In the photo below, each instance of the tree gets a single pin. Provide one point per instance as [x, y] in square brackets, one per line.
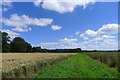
[18, 45]
[78, 50]
[0, 41]
[5, 40]
[36, 49]
[28, 47]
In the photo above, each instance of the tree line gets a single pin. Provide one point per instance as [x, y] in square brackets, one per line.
[18, 44]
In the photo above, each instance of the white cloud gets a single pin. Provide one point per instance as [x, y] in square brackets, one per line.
[66, 40]
[48, 44]
[108, 29]
[84, 37]
[110, 44]
[100, 38]
[21, 29]
[99, 43]
[107, 36]
[56, 27]
[104, 30]
[62, 44]
[110, 41]
[11, 33]
[63, 6]
[77, 33]
[23, 22]
[97, 39]
[88, 33]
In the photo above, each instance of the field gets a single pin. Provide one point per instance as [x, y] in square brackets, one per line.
[78, 66]
[60, 65]
[25, 64]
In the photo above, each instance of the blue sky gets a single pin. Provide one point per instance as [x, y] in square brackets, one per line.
[93, 26]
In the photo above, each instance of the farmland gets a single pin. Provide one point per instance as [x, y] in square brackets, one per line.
[13, 63]
[78, 66]
[60, 65]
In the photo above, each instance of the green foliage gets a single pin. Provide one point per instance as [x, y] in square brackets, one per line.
[20, 45]
[5, 37]
[79, 50]
[36, 49]
[5, 40]
[78, 66]
[5, 47]
[28, 47]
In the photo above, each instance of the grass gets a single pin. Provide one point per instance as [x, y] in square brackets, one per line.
[78, 66]
[109, 58]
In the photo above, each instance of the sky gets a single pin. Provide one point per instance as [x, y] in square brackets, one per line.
[58, 25]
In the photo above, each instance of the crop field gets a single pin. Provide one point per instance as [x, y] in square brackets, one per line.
[78, 66]
[25, 64]
[60, 65]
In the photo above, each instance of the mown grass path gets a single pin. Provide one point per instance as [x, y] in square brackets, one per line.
[78, 66]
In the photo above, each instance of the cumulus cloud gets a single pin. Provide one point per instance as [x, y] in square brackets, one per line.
[88, 33]
[94, 44]
[56, 27]
[105, 45]
[21, 23]
[66, 40]
[48, 44]
[102, 39]
[64, 5]
[104, 30]
[62, 44]
[108, 29]
[11, 33]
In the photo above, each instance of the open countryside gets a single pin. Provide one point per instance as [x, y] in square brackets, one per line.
[54, 39]
[59, 65]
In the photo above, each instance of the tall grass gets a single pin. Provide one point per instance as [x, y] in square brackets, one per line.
[109, 58]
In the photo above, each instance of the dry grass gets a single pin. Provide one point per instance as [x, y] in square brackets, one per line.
[11, 61]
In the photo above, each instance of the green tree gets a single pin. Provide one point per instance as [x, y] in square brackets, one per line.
[5, 40]
[18, 45]
[78, 50]
[36, 49]
[28, 47]
[0, 41]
